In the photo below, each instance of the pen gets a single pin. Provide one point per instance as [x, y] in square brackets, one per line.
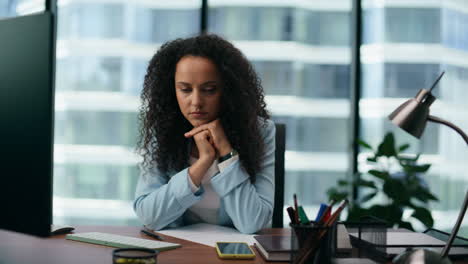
[151, 234]
[321, 211]
[327, 213]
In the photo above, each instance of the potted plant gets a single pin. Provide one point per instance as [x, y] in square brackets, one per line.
[395, 180]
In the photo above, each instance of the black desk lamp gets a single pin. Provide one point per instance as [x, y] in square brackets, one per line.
[412, 117]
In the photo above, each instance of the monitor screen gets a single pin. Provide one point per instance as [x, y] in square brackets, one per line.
[27, 57]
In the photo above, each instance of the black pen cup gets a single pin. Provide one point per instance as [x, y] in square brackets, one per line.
[312, 244]
[134, 256]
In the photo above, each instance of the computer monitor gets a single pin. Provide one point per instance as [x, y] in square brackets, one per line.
[27, 54]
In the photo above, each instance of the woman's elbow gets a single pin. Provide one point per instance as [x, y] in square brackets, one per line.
[150, 221]
[251, 228]
[143, 215]
[151, 218]
[248, 229]
[256, 224]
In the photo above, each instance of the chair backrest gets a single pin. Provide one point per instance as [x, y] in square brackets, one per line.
[277, 220]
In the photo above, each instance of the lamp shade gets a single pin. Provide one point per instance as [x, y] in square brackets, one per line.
[413, 114]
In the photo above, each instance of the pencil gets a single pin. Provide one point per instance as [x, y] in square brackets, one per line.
[291, 214]
[150, 233]
[296, 209]
[337, 213]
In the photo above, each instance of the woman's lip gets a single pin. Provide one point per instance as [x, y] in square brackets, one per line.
[198, 114]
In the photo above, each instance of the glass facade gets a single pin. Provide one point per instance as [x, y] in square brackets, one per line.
[316, 77]
[103, 49]
[408, 25]
[12, 8]
[406, 46]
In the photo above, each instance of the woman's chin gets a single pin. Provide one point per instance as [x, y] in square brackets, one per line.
[199, 122]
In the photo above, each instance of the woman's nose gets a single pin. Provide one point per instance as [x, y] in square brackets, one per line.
[197, 99]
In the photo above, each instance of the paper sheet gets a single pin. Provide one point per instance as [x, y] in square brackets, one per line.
[208, 234]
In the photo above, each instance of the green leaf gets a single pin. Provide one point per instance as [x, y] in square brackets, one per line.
[367, 197]
[423, 215]
[387, 147]
[390, 213]
[424, 195]
[356, 212]
[422, 168]
[331, 191]
[364, 183]
[372, 159]
[364, 144]
[383, 175]
[407, 225]
[396, 190]
[335, 194]
[342, 182]
[340, 196]
[408, 158]
[403, 147]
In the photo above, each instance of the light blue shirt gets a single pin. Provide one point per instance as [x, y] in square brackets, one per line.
[162, 199]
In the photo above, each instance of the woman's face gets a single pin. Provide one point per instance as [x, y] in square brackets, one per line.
[198, 89]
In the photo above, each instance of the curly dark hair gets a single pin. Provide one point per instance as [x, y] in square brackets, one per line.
[162, 125]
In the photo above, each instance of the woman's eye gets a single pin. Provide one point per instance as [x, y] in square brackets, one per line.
[210, 89]
[186, 90]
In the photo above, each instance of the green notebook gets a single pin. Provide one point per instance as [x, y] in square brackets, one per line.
[119, 241]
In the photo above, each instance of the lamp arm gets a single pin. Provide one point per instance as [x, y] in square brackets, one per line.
[447, 247]
[436, 119]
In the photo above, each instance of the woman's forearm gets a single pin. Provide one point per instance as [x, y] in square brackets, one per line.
[198, 170]
[159, 203]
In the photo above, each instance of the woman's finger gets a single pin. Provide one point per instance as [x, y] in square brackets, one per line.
[196, 130]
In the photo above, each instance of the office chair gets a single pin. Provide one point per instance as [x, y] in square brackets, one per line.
[277, 220]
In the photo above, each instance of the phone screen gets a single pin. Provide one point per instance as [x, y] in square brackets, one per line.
[234, 248]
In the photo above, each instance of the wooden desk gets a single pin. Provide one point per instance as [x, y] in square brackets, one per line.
[20, 248]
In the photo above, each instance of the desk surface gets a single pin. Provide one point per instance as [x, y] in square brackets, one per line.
[18, 248]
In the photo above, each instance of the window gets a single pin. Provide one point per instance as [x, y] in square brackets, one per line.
[326, 81]
[412, 25]
[286, 45]
[401, 25]
[90, 73]
[400, 80]
[161, 25]
[324, 27]
[103, 49]
[411, 45]
[453, 24]
[258, 23]
[12, 8]
[276, 76]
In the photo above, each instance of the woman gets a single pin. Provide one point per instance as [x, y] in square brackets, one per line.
[206, 139]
